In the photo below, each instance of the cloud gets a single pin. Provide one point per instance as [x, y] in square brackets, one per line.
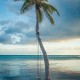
[16, 38]
[61, 47]
[26, 33]
[16, 32]
[20, 29]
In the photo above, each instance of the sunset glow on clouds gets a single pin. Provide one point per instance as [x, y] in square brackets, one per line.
[62, 47]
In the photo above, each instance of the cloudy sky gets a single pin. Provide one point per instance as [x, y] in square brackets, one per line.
[17, 31]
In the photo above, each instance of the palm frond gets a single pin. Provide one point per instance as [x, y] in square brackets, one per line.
[40, 15]
[26, 5]
[52, 9]
[49, 7]
[42, 4]
[49, 17]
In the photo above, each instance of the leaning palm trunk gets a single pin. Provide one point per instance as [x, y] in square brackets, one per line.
[46, 62]
[40, 6]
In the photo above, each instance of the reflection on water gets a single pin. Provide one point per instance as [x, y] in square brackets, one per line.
[27, 70]
[65, 69]
[18, 70]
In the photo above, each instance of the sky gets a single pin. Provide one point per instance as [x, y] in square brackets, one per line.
[17, 31]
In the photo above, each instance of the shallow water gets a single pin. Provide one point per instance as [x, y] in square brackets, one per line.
[26, 69]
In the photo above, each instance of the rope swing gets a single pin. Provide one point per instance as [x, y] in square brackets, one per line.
[38, 63]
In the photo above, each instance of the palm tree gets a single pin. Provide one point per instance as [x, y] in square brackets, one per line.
[41, 6]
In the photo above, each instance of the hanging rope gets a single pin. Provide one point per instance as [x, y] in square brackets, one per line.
[38, 63]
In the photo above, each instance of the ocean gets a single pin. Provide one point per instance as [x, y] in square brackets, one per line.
[24, 67]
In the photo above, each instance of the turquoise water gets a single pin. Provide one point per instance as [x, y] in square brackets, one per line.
[20, 67]
[34, 57]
